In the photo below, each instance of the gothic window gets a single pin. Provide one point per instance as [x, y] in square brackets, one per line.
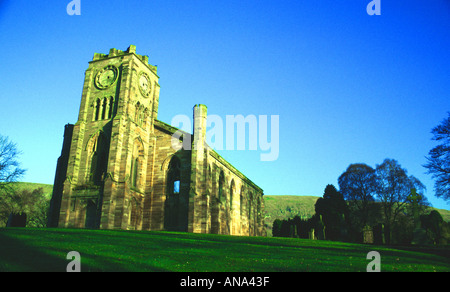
[137, 162]
[103, 108]
[99, 159]
[250, 213]
[97, 110]
[134, 172]
[232, 187]
[242, 201]
[136, 113]
[258, 211]
[221, 183]
[215, 226]
[104, 103]
[173, 176]
[173, 212]
[111, 106]
[145, 115]
[141, 116]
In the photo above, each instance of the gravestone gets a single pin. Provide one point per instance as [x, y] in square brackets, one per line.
[420, 237]
[320, 229]
[293, 231]
[311, 234]
[17, 220]
[343, 229]
[368, 235]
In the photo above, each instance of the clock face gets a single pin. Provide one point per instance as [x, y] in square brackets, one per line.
[106, 77]
[144, 84]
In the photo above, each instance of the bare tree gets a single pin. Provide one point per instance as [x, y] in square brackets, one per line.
[439, 160]
[10, 170]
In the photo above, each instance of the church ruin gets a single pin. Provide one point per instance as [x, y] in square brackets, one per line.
[119, 170]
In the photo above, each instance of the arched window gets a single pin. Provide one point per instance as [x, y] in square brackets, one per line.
[136, 166]
[173, 176]
[250, 213]
[173, 211]
[145, 116]
[250, 200]
[258, 214]
[232, 188]
[141, 116]
[136, 113]
[104, 106]
[97, 110]
[99, 159]
[221, 185]
[111, 106]
[241, 201]
[134, 172]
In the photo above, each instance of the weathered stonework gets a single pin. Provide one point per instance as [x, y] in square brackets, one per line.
[118, 169]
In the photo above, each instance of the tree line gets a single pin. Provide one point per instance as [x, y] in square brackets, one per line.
[377, 198]
[380, 198]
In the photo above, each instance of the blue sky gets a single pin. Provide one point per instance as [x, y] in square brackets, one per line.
[348, 87]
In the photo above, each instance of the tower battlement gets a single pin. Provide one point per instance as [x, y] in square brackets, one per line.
[130, 50]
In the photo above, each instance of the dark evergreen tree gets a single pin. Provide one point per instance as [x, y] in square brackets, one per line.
[276, 228]
[333, 209]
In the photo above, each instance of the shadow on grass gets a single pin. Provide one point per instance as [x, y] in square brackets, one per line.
[160, 251]
[18, 255]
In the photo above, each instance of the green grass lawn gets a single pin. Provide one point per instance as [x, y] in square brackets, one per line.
[106, 250]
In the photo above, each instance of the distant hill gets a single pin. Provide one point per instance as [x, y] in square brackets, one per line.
[48, 189]
[285, 207]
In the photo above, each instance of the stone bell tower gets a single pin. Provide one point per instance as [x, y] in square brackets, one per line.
[102, 184]
[121, 168]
